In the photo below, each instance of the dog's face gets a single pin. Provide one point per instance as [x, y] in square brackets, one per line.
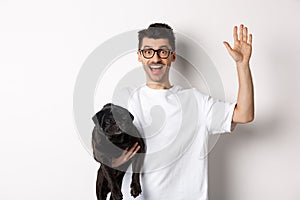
[113, 120]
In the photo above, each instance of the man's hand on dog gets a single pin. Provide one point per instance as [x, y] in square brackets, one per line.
[126, 155]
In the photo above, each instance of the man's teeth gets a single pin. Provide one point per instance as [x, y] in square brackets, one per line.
[155, 66]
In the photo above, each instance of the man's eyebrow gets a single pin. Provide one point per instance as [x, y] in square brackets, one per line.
[163, 46]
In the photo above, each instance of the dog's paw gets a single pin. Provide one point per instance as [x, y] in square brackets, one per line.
[136, 190]
[117, 196]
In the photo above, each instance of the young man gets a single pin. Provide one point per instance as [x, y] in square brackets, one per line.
[175, 167]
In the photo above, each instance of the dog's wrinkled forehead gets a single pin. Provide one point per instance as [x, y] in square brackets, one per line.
[117, 113]
[120, 114]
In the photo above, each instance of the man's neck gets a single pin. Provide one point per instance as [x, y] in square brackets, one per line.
[158, 86]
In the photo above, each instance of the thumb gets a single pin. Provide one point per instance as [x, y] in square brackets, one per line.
[228, 47]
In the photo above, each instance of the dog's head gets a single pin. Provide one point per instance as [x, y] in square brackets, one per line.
[113, 120]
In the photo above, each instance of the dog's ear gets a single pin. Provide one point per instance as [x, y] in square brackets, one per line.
[108, 105]
[124, 110]
[98, 117]
[132, 117]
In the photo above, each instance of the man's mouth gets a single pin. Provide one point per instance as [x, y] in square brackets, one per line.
[155, 68]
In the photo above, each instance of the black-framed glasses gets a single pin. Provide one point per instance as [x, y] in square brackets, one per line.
[149, 53]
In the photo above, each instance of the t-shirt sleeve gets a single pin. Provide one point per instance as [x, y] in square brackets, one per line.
[218, 115]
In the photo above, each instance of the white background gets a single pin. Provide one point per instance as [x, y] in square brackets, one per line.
[43, 45]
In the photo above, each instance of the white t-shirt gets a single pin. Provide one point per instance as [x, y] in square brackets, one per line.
[176, 124]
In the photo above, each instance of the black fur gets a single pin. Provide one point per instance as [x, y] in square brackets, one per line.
[114, 131]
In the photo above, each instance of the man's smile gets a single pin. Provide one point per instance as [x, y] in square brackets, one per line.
[155, 66]
[155, 69]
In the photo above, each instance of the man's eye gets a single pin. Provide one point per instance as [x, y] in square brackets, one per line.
[163, 52]
[148, 52]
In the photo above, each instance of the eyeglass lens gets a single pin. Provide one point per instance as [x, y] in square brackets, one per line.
[162, 53]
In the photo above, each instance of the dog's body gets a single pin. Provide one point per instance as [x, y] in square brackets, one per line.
[114, 131]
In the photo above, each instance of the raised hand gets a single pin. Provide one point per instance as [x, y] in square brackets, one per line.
[241, 51]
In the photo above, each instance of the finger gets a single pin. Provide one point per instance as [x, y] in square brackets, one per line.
[245, 34]
[135, 151]
[134, 146]
[131, 149]
[250, 39]
[235, 35]
[125, 151]
[228, 47]
[230, 50]
[241, 32]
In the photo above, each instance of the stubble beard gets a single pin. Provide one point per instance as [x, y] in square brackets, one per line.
[161, 79]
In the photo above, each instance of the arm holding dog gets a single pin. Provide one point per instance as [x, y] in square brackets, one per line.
[126, 156]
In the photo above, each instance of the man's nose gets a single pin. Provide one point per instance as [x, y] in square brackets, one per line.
[156, 57]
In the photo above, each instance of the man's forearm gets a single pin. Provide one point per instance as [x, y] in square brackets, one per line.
[244, 111]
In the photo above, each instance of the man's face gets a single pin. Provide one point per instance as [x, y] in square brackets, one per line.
[156, 68]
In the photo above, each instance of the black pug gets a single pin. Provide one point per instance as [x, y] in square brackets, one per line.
[114, 131]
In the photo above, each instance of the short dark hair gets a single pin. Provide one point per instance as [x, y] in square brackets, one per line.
[157, 31]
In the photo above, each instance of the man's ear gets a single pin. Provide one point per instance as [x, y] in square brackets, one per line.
[139, 56]
[173, 56]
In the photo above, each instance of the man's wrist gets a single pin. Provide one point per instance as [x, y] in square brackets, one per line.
[242, 65]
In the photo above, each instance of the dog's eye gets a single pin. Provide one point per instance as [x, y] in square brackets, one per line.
[107, 122]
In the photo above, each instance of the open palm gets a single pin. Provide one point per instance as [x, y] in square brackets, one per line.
[241, 52]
